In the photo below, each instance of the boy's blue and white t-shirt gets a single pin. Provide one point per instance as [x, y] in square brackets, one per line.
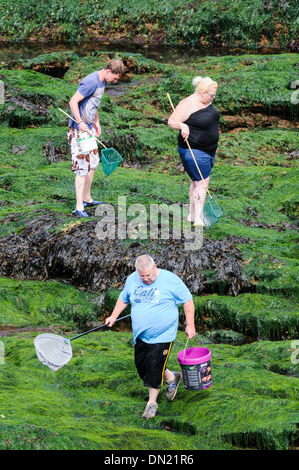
[154, 307]
[92, 89]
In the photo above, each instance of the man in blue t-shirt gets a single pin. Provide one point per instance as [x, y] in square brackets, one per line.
[84, 106]
[154, 295]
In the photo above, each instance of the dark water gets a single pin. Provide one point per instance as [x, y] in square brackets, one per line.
[178, 55]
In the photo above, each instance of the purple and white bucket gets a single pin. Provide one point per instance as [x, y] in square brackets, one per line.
[196, 368]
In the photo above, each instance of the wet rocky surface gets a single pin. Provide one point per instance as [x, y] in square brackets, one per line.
[258, 408]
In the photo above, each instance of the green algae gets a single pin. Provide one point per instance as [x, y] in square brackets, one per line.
[33, 304]
[259, 147]
[252, 403]
[33, 98]
[261, 84]
[135, 63]
[255, 315]
[98, 398]
[221, 23]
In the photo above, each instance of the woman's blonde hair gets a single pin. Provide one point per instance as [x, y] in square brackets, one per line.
[204, 84]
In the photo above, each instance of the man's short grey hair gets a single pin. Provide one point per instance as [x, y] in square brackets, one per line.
[143, 262]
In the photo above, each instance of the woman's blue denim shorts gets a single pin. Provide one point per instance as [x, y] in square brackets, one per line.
[204, 161]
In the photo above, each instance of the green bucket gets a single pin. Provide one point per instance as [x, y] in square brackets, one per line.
[111, 159]
[211, 213]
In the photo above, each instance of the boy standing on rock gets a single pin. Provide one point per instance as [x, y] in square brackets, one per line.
[84, 106]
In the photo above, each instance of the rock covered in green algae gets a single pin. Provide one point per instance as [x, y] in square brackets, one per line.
[223, 24]
[77, 255]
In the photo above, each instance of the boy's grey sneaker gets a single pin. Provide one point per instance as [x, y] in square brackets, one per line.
[173, 386]
[150, 411]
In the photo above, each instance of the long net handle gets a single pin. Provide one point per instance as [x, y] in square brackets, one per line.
[90, 133]
[98, 328]
[189, 146]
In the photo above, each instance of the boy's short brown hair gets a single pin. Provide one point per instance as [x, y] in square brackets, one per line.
[116, 66]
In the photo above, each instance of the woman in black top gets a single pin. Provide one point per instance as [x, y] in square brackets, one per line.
[199, 124]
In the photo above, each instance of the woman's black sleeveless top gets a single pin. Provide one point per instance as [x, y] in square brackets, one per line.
[204, 130]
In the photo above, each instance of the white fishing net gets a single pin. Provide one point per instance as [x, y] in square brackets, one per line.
[52, 350]
[55, 351]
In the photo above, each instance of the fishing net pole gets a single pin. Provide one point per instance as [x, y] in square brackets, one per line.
[110, 158]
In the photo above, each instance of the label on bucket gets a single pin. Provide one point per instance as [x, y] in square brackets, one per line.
[198, 376]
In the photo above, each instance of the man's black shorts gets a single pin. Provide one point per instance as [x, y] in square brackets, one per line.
[150, 362]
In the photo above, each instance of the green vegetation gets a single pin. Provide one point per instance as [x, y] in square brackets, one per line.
[215, 23]
[38, 304]
[246, 83]
[252, 336]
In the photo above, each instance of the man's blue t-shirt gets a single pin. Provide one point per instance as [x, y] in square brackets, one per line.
[154, 307]
[92, 89]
